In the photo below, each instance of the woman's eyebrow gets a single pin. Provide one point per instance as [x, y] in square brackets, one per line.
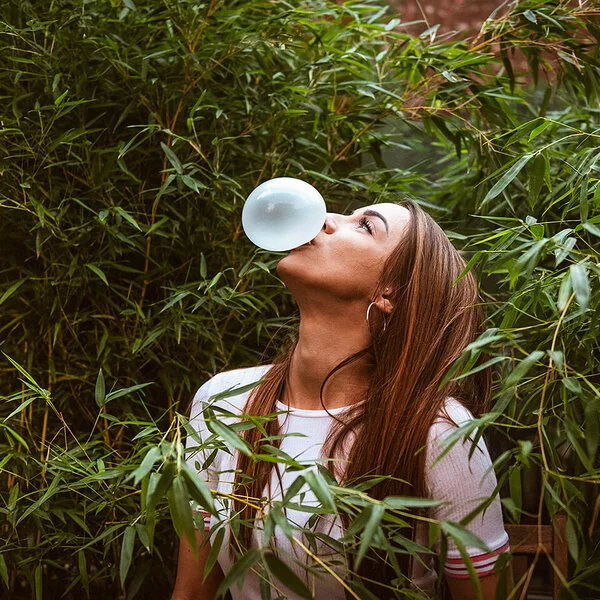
[374, 213]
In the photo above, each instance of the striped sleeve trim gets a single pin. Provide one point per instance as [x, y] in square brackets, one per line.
[482, 563]
[205, 517]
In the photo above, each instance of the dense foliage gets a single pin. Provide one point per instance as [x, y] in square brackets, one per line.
[130, 133]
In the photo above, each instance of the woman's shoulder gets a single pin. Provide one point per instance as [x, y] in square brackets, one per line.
[230, 389]
[453, 416]
[453, 413]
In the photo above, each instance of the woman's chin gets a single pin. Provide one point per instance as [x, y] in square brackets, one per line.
[285, 267]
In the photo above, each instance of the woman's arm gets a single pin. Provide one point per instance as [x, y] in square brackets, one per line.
[190, 583]
[463, 589]
[463, 478]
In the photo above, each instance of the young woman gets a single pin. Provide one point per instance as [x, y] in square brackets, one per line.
[382, 319]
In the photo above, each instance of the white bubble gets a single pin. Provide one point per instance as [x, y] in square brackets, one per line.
[283, 213]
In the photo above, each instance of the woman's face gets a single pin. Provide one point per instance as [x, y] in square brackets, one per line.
[346, 258]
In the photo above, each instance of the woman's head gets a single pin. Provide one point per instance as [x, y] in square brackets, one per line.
[345, 260]
[396, 257]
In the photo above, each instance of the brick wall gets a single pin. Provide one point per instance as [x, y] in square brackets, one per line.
[452, 15]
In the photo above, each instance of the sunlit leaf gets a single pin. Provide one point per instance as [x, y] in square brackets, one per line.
[507, 178]
[581, 284]
[98, 271]
[523, 368]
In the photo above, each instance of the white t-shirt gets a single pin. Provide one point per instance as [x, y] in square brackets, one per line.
[461, 482]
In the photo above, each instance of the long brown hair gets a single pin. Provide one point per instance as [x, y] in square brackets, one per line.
[434, 318]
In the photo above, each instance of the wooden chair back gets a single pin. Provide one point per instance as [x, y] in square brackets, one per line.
[528, 542]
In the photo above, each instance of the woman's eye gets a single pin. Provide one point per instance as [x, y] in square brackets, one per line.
[366, 224]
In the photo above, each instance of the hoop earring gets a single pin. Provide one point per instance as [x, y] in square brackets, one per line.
[369, 313]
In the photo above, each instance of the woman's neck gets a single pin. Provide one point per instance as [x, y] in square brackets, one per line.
[323, 343]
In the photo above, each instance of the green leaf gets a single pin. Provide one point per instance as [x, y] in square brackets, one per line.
[11, 290]
[516, 493]
[572, 385]
[143, 536]
[229, 436]
[180, 509]
[13, 497]
[50, 491]
[510, 506]
[198, 489]
[203, 269]
[234, 391]
[576, 437]
[20, 408]
[404, 502]
[462, 535]
[98, 271]
[147, 463]
[61, 98]
[482, 366]
[16, 436]
[127, 217]
[3, 570]
[507, 178]
[320, 488]
[537, 131]
[433, 533]
[592, 427]
[581, 284]
[158, 484]
[100, 391]
[215, 548]
[564, 292]
[125, 391]
[583, 199]
[537, 231]
[561, 252]
[572, 540]
[523, 367]
[536, 179]
[83, 572]
[25, 374]
[172, 157]
[238, 571]
[558, 358]
[282, 572]
[596, 197]
[587, 226]
[127, 546]
[376, 512]
[39, 582]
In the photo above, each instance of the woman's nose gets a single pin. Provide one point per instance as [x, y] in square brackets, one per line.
[330, 224]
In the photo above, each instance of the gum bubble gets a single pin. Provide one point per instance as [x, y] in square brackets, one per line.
[283, 213]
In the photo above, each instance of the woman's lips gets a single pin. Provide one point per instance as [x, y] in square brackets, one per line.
[303, 245]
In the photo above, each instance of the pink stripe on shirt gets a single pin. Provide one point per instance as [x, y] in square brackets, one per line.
[482, 563]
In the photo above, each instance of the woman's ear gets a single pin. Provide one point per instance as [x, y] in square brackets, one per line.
[384, 303]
